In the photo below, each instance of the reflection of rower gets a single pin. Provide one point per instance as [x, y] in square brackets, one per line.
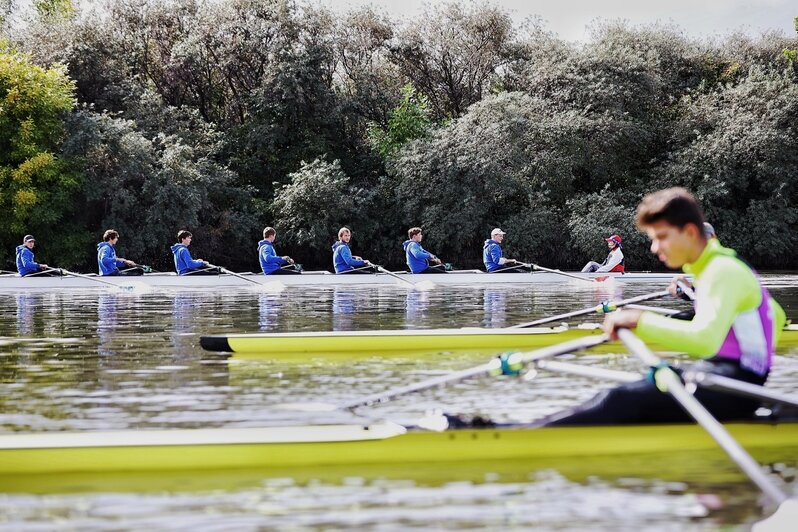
[495, 307]
[270, 262]
[418, 258]
[614, 261]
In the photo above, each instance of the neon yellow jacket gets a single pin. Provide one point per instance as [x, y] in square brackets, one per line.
[726, 288]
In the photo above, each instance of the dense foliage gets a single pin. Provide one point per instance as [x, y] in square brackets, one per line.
[222, 117]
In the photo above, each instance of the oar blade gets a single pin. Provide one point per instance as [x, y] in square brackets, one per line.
[308, 407]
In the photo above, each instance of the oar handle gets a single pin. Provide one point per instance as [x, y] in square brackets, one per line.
[704, 418]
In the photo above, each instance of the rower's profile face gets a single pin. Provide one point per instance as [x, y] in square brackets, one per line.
[186, 241]
[346, 237]
[672, 245]
[610, 244]
[417, 237]
[30, 243]
[498, 237]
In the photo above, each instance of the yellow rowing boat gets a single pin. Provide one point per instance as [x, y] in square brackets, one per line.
[348, 343]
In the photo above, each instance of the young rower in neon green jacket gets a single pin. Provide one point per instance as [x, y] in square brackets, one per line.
[734, 332]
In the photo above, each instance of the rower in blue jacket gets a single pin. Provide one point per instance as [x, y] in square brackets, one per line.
[184, 264]
[270, 262]
[344, 261]
[107, 260]
[26, 262]
[493, 259]
[418, 258]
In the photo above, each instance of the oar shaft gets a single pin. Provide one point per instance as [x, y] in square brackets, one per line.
[705, 419]
[588, 371]
[234, 274]
[736, 387]
[560, 272]
[94, 279]
[383, 270]
[493, 366]
[600, 309]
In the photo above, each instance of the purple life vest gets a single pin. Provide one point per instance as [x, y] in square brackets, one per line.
[750, 339]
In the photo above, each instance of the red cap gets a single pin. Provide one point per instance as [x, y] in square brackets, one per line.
[614, 238]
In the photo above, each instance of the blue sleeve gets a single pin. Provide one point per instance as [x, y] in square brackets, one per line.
[190, 263]
[419, 252]
[28, 263]
[347, 256]
[273, 258]
[495, 254]
[107, 262]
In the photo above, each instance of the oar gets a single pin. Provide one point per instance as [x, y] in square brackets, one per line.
[603, 308]
[704, 418]
[126, 288]
[423, 285]
[496, 366]
[234, 274]
[709, 381]
[558, 272]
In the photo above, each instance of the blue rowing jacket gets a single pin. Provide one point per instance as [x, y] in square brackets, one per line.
[183, 261]
[106, 259]
[269, 261]
[342, 258]
[416, 256]
[25, 261]
[491, 255]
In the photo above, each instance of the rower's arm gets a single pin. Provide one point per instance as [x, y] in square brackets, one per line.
[349, 259]
[727, 288]
[613, 260]
[420, 253]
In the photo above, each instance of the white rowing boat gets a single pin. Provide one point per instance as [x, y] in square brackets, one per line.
[464, 277]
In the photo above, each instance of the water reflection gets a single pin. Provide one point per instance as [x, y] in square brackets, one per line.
[417, 307]
[495, 306]
[27, 306]
[107, 323]
[344, 308]
[269, 309]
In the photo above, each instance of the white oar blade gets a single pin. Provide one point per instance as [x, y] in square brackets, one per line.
[785, 518]
[425, 286]
[307, 407]
[270, 287]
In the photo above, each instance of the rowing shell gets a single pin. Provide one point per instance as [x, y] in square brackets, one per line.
[171, 280]
[345, 343]
[142, 451]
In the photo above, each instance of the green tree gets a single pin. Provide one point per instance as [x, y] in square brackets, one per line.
[408, 121]
[36, 185]
[314, 205]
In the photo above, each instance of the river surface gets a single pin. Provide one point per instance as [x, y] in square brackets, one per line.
[99, 360]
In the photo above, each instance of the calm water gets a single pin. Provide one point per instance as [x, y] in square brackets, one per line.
[93, 360]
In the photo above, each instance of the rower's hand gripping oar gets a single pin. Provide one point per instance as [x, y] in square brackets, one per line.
[691, 405]
[603, 308]
[505, 365]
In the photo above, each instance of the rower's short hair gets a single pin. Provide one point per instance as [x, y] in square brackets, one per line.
[110, 235]
[342, 231]
[413, 231]
[183, 234]
[675, 206]
[269, 231]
